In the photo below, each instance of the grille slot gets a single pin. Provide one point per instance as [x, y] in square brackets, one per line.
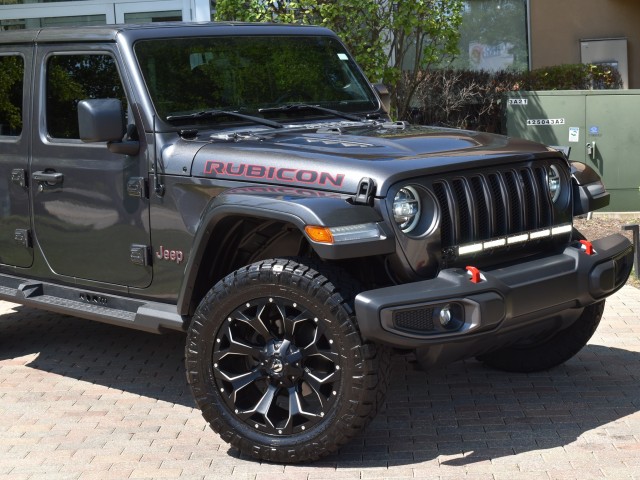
[499, 203]
[446, 225]
[480, 199]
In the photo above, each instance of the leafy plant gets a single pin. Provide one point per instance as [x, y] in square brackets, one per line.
[577, 76]
[474, 100]
[11, 73]
[391, 41]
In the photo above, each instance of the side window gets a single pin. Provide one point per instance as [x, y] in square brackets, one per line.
[11, 84]
[71, 78]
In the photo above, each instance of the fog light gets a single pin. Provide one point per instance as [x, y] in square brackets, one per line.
[450, 316]
[445, 315]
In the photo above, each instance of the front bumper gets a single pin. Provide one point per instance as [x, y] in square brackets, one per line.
[506, 304]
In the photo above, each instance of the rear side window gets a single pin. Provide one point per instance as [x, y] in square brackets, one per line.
[72, 78]
[11, 86]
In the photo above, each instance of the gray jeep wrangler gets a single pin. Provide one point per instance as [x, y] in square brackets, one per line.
[244, 183]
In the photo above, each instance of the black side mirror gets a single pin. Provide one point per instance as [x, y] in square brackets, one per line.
[102, 120]
[385, 96]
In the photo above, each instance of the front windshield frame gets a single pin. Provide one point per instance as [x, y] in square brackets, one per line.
[247, 73]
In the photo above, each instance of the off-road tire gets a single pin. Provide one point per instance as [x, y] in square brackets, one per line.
[551, 351]
[254, 372]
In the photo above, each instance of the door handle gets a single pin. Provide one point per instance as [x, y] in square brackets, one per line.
[591, 150]
[50, 178]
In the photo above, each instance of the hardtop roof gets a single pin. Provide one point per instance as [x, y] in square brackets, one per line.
[109, 33]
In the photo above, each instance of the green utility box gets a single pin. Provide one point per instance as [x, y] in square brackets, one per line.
[600, 127]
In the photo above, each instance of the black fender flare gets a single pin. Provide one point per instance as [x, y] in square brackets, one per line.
[589, 192]
[299, 207]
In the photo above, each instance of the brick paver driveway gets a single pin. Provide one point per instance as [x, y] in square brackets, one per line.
[85, 400]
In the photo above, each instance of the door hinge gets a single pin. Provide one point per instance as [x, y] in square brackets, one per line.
[137, 187]
[22, 237]
[19, 177]
[139, 255]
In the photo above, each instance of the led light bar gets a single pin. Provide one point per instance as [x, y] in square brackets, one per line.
[332, 235]
[355, 232]
[561, 229]
[518, 238]
[514, 239]
[466, 249]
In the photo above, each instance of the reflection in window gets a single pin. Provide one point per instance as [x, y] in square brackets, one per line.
[493, 35]
[71, 78]
[250, 73]
[11, 82]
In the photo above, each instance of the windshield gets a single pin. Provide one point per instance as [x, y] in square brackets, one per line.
[249, 74]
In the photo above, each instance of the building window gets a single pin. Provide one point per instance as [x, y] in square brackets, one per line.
[493, 35]
[144, 17]
[77, 20]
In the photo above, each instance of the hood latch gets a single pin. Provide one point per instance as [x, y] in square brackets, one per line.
[365, 193]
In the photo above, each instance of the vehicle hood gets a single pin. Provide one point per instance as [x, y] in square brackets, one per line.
[336, 158]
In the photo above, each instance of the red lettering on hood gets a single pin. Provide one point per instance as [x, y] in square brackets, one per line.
[260, 172]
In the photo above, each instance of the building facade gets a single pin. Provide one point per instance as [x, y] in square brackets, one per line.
[19, 14]
[495, 34]
[523, 34]
[565, 31]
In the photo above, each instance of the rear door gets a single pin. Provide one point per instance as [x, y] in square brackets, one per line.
[88, 223]
[15, 227]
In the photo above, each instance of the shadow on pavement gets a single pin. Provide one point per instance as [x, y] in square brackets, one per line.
[464, 408]
[120, 358]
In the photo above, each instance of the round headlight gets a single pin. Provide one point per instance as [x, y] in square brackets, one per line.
[554, 181]
[406, 208]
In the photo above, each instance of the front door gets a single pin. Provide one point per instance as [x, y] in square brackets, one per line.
[15, 226]
[613, 145]
[86, 223]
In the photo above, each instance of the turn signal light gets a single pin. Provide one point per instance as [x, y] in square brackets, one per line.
[319, 234]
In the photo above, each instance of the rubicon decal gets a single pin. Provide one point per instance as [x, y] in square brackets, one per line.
[260, 172]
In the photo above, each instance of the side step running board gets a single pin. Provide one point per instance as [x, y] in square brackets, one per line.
[132, 313]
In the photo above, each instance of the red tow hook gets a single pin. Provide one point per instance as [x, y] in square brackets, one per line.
[475, 274]
[587, 247]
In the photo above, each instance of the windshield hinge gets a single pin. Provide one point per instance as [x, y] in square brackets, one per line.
[365, 193]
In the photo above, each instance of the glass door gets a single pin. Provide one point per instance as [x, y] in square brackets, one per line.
[162, 11]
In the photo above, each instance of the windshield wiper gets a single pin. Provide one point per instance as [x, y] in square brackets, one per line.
[223, 113]
[294, 107]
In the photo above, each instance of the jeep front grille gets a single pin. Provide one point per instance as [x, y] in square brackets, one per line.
[486, 205]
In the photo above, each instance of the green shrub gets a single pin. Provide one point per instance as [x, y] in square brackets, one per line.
[574, 77]
[465, 99]
[474, 100]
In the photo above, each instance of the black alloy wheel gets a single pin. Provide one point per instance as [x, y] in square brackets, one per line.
[276, 363]
[275, 366]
